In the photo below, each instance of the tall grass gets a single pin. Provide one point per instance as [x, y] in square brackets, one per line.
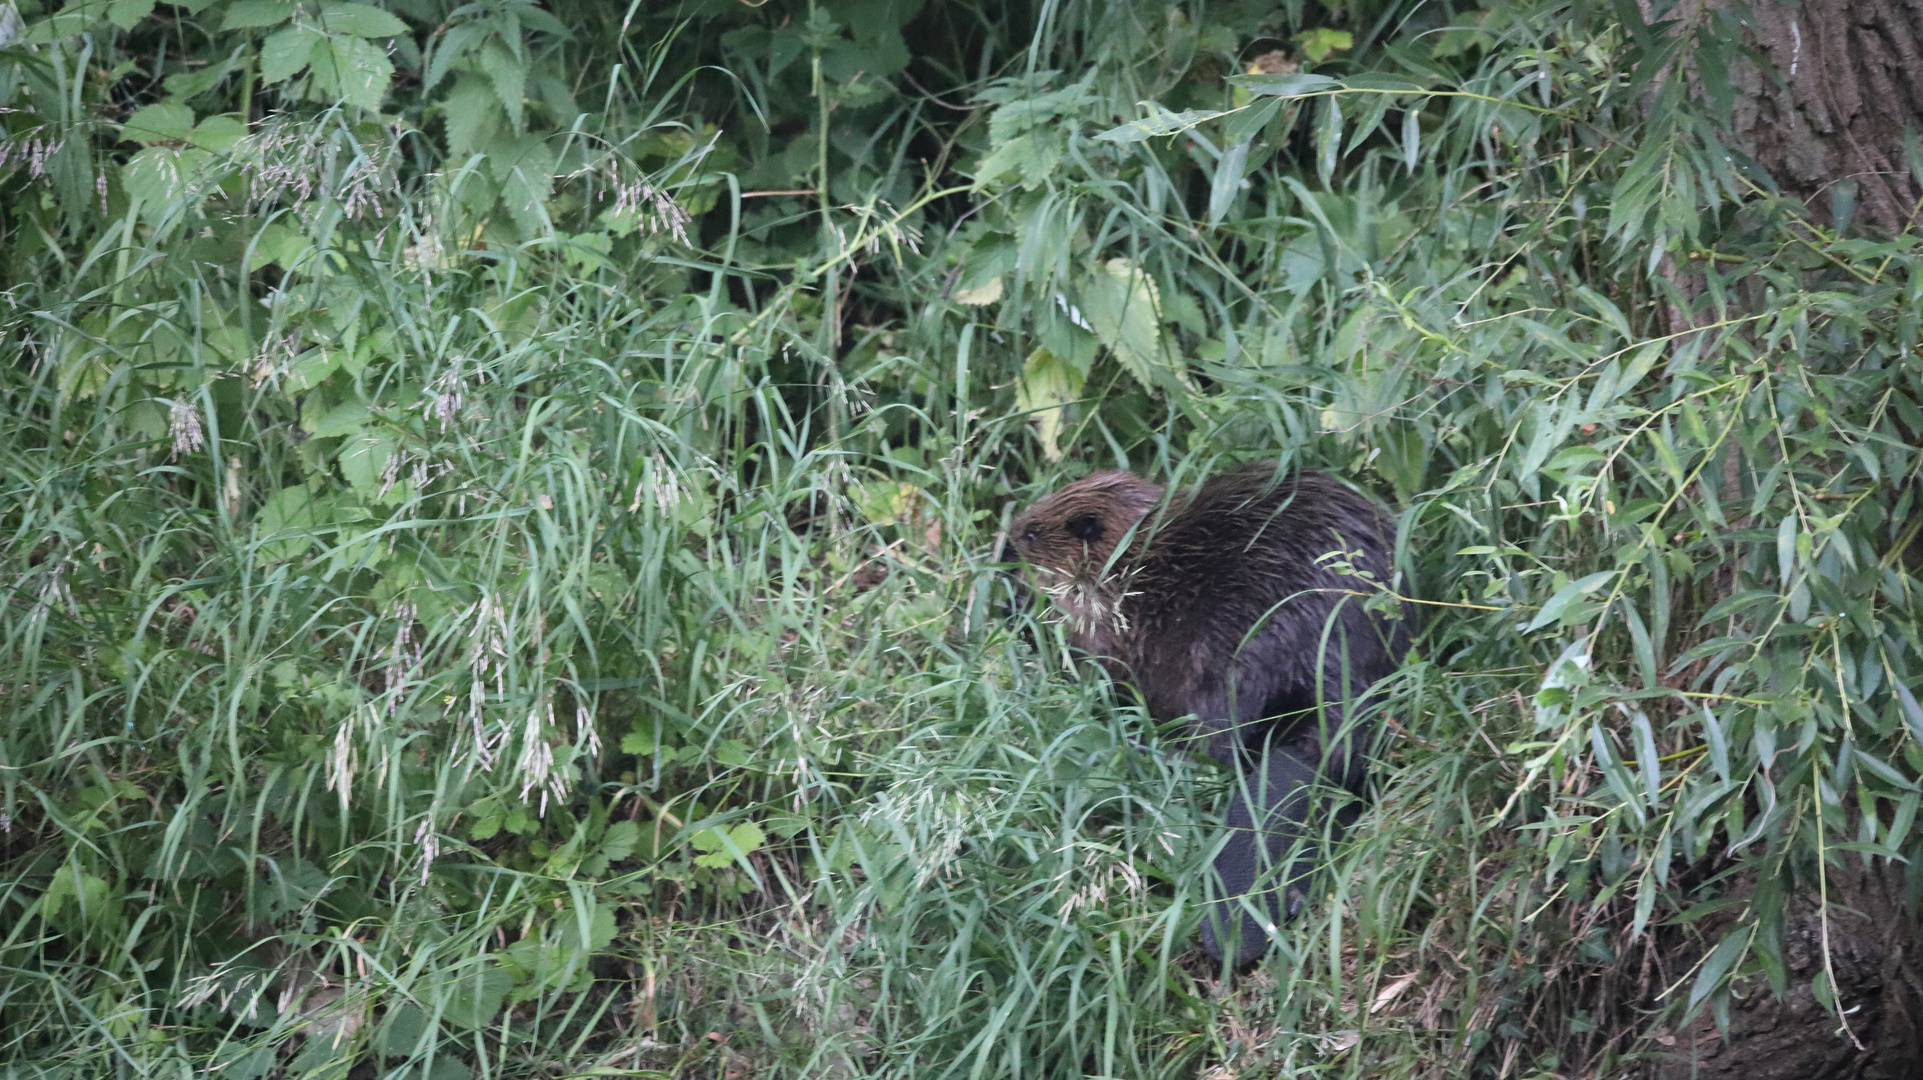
[493, 591]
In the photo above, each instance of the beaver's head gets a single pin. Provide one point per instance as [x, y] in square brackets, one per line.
[1069, 538]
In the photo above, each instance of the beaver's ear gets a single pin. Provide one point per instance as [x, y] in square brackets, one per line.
[1085, 527]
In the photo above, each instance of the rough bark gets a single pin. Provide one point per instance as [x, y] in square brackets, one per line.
[1842, 82]
[1875, 945]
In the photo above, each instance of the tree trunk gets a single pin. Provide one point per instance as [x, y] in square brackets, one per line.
[1870, 941]
[1829, 121]
[1834, 113]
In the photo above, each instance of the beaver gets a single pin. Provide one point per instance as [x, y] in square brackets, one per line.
[1218, 603]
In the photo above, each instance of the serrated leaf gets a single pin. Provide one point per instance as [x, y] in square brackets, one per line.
[353, 70]
[286, 52]
[166, 122]
[363, 461]
[183, 86]
[986, 293]
[525, 171]
[344, 419]
[472, 998]
[296, 510]
[620, 840]
[1120, 303]
[448, 48]
[509, 73]
[360, 20]
[162, 174]
[125, 13]
[313, 368]
[1033, 156]
[1017, 117]
[748, 836]
[247, 14]
[1048, 384]
[535, 18]
[218, 133]
[731, 845]
[277, 244]
[471, 112]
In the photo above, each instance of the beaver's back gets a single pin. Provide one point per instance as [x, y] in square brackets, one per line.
[1242, 552]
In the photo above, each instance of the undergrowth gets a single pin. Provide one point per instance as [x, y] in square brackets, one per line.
[500, 504]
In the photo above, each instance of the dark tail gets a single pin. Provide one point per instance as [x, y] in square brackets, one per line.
[1263, 869]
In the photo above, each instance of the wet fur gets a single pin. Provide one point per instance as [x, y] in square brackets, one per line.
[1214, 605]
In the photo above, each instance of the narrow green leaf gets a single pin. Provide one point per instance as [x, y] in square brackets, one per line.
[1911, 711]
[1328, 139]
[1647, 760]
[1737, 604]
[1248, 123]
[1566, 596]
[1646, 891]
[1882, 770]
[1640, 644]
[1370, 122]
[1786, 548]
[1900, 822]
[1615, 774]
[1718, 743]
[1159, 121]
[1383, 84]
[1720, 961]
[1285, 86]
[1227, 182]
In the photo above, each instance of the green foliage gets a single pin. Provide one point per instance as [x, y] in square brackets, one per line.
[498, 508]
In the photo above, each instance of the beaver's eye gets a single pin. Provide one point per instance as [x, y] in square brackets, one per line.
[1029, 537]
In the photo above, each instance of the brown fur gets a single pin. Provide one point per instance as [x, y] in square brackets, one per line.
[1216, 603]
